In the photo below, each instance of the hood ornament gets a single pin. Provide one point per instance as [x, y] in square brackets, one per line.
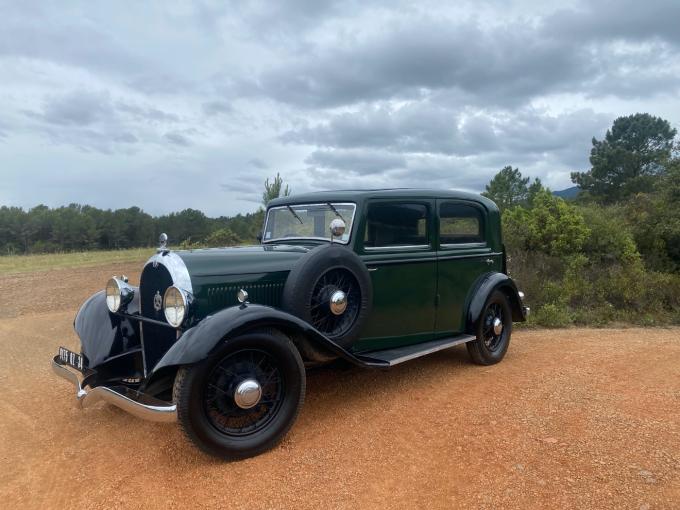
[162, 242]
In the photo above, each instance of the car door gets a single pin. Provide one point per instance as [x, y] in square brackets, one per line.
[463, 255]
[397, 247]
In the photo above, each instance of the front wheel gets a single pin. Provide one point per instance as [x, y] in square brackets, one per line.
[494, 328]
[244, 399]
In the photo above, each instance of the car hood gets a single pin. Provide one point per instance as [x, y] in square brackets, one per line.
[241, 260]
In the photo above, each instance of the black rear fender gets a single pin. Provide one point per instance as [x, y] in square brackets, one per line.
[481, 291]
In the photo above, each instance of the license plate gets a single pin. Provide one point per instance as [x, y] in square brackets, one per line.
[71, 359]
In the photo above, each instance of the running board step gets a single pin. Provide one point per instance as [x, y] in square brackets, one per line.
[391, 357]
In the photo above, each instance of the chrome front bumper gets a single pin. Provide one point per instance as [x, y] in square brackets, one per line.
[136, 403]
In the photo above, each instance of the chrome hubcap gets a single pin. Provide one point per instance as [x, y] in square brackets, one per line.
[338, 302]
[497, 326]
[248, 393]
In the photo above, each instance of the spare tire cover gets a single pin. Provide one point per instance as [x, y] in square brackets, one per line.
[316, 279]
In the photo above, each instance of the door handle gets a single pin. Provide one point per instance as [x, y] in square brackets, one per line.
[371, 269]
[489, 261]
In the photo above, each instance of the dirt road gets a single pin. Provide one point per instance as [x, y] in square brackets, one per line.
[571, 418]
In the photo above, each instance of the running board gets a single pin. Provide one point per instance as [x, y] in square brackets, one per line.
[391, 357]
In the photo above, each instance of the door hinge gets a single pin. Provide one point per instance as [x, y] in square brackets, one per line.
[436, 300]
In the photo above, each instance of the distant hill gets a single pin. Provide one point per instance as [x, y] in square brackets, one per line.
[567, 193]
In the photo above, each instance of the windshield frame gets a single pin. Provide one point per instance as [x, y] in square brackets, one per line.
[312, 238]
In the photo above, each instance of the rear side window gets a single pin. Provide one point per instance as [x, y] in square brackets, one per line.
[460, 224]
[390, 224]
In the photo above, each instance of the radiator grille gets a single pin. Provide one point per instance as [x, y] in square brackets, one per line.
[156, 340]
[222, 296]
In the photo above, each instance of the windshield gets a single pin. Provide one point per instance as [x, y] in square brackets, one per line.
[308, 221]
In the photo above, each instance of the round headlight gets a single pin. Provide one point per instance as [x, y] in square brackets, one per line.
[113, 300]
[175, 304]
[118, 294]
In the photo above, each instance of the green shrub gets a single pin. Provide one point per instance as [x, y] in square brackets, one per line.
[551, 226]
[222, 237]
[551, 316]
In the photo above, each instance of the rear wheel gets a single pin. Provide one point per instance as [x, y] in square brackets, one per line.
[242, 401]
[494, 328]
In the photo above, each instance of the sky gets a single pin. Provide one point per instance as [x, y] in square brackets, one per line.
[170, 105]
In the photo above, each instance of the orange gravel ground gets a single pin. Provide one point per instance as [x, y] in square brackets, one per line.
[575, 418]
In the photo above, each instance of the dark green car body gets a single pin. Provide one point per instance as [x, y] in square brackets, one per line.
[419, 293]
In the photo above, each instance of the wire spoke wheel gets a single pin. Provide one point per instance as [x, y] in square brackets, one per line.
[225, 409]
[493, 329]
[322, 317]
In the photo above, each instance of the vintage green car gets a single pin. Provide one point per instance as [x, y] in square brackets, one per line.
[219, 339]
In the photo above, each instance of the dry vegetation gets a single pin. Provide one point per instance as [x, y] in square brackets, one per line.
[10, 264]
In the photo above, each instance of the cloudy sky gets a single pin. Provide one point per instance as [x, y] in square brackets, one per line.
[173, 105]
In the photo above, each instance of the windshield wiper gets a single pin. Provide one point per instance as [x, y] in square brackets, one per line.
[335, 211]
[295, 214]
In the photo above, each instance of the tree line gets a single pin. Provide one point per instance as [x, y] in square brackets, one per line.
[77, 227]
[82, 227]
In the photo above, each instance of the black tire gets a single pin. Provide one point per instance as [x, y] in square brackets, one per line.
[490, 348]
[311, 281]
[206, 406]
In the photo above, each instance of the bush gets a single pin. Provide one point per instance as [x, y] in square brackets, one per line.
[551, 316]
[222, 237]
[551, 226]
[604, 283]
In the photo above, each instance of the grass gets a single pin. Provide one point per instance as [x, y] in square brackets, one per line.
[30, 263]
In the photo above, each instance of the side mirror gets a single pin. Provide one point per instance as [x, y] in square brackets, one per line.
[337, 228]
[259, 236]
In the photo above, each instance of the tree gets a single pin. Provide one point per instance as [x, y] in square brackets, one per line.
[508, 188]
[273, 190]
[533, 190]
[634, 151]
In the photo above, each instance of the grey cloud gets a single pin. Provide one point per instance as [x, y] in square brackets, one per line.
[146, 112]
[506, 64]
[283, 21]
[417, 127]
[427, 128]
[177, 138]
[356, 160]
[502, 66]
[382, 93]
[92, 140]
[258, 163]
[216, 108]
[78, 108]
[247, 187]
[629, 20]
[32, 31]
[126, 138]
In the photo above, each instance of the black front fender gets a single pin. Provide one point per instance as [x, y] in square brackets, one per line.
[481, 291]
[199, 342]
[104, 335]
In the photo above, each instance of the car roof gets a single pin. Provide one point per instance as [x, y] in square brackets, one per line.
[355, 195]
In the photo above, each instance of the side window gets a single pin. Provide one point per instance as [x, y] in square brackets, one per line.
[460, 224]
[393, 224]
